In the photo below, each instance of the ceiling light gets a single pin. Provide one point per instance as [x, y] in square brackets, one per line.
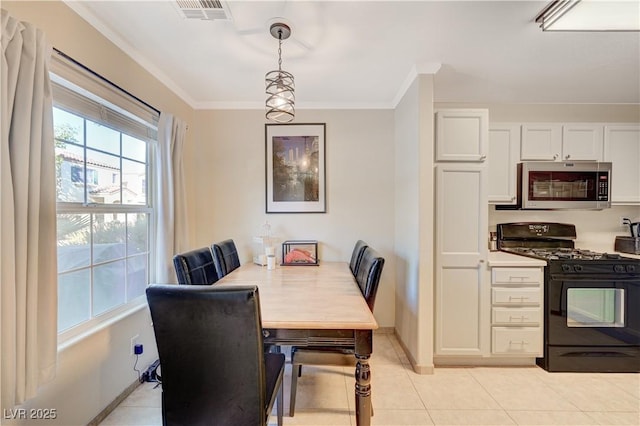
[280, 86]
[590, 15]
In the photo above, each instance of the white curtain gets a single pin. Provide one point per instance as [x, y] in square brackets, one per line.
[171, 230]
[28, 270]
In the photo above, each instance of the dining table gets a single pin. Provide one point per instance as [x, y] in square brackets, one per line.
[315, 306]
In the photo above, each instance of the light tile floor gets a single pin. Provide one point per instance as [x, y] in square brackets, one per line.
[450, 396]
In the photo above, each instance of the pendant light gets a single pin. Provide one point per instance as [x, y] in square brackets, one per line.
[280, 86]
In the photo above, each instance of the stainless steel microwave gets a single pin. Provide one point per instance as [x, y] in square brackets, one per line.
[564, 185]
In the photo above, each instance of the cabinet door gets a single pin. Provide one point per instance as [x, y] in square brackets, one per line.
[582, 142]
[461, 135]
[504, 152]
[461, 250]
[622, 149]
[541, 141]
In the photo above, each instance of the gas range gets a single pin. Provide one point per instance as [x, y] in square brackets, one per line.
[554, 243]
[562, 253]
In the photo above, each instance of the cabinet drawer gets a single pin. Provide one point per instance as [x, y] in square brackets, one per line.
[515, 316]
[515, 296]
[516, 275]
[517, 340]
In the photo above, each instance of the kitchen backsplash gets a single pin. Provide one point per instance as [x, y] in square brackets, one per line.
[596, 229]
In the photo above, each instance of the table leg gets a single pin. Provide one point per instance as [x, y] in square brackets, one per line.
[363, 349]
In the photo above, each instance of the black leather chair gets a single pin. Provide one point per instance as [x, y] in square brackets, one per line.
[214, 368]
[195, 267]
[225, 257]
[356, 256]
[368, 278]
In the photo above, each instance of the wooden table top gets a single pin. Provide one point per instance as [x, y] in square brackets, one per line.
[307, 297]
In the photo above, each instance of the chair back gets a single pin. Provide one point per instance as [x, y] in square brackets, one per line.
[211, 350]
[356, 256]
[369, 273]
[195, 267]
[225, 257]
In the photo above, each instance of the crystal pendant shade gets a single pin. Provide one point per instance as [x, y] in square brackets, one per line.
[280, 86]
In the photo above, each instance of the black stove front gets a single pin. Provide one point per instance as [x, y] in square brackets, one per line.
[592, 300]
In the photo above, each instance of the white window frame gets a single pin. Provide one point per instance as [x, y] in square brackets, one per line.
[97, 102]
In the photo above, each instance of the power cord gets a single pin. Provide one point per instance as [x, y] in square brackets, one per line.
[135, 365]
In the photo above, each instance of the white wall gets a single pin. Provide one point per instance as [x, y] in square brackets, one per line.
[414, 222]
[227, 186]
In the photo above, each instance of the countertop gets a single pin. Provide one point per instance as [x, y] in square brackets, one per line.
[500, 258]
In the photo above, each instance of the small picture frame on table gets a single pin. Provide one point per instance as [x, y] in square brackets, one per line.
[300, 253]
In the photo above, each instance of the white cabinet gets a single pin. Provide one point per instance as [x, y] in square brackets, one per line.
[461, 251]
[558, 142]
[541, 141]
[516, 311]
[504, 153]
[622, 149]
[461, 135]
[582, 142]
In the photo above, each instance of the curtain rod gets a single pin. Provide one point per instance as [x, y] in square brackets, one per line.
[106, 80]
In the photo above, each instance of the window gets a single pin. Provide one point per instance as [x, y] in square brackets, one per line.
[104, 213]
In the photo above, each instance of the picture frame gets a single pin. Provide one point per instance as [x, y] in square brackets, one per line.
[300, 253]
[295, 168]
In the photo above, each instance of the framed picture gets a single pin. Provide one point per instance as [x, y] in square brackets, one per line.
[295, 168]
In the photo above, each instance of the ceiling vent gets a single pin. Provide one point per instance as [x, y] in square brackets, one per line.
[207, 10]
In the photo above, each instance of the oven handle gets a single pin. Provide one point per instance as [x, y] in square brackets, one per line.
[607, 278]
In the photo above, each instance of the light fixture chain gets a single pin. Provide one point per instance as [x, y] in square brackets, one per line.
[280, 53]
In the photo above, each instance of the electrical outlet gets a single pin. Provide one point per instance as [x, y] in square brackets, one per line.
[134, 341]
[623, 221]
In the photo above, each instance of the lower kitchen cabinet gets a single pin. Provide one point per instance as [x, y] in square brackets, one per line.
[516, 311]
[461, 317]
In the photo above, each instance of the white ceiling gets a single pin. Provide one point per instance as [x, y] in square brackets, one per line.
[362, 54]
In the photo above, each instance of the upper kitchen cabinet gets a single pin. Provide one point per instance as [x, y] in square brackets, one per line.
[541, 141]
[582, 142]
[461, 135]
[558, 142]
[504, 153]
[622, 149]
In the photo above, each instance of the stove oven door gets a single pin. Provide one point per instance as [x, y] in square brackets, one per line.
[593, 321]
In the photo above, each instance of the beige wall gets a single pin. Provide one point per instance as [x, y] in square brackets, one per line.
[94, 371]
[227, 185]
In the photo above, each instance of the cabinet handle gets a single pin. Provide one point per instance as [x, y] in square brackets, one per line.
[555, 156]
[518, 298]
[521, 318]
[521, 342]
[483, 157]
[513, 278]
[481, 260]
[566, 157]
[513, 198]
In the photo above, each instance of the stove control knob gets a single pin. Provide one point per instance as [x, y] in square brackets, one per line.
[578, 268]
[618, 268]
[632, 268]
[566, 268]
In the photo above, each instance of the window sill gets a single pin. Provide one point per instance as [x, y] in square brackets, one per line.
[75, 335]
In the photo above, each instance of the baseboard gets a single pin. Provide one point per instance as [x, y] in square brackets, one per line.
[417, 368]
[109, 408]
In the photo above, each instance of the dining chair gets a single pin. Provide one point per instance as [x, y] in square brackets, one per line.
[195, 267]
[356, 256]
[214, 367]
[368, 278]
[225, 257]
